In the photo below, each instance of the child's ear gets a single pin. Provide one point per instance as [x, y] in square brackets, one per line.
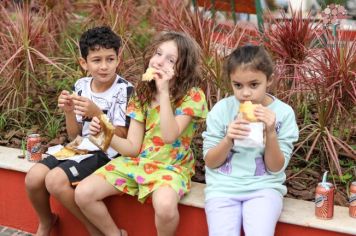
[83, 63]
[269, 82]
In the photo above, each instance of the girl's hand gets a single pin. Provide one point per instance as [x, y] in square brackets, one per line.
[65, 101]
[85, 107]
[238, 129]
[267, 116]
[162, 79]
[94, 127]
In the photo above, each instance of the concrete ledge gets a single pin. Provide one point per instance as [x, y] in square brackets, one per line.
[295, 212]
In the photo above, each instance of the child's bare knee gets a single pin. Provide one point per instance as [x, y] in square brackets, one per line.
[56, 180]
[166, 208]
[83, 194]
[35, 179]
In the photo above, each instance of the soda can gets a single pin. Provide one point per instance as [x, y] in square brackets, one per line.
[324, 201]
[352, 200]
[33, 148]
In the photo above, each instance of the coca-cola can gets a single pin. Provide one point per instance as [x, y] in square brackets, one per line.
[352, 200]
[324, 201]
[33, 148]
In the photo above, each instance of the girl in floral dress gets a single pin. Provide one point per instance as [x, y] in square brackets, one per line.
[156, 157]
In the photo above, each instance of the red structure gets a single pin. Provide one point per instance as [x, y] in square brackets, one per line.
[128, 213]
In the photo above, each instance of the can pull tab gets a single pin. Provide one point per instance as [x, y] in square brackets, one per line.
[324, 182]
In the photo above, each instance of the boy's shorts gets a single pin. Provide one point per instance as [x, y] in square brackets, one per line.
[74, 170]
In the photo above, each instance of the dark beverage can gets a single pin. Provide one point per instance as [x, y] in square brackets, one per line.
[352, 200]
[33, 148]
[324, 201]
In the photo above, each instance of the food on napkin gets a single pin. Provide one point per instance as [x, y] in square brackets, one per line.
[148, 75]
[64, 153]
[255, 137]
[103, 138]
[247, 110]
[71, 149]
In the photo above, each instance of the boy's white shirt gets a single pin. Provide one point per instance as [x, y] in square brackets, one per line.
[112, 102]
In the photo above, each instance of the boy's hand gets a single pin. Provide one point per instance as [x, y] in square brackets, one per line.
[238, 129]
[65, 101]
[266, 116]
[85, 107]
[94, 126]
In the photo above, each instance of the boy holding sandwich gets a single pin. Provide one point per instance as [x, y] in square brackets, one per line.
[103, 92]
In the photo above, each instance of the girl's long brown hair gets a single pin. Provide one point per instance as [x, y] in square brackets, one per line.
[186, 70]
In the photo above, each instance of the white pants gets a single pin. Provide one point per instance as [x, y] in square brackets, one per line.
[258, 212]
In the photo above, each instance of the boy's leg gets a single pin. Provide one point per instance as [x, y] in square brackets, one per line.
[261, 212]
[165, 203]
[39, 196]
[58, 183]
[59, 186]
[223, 216]
[89, 196]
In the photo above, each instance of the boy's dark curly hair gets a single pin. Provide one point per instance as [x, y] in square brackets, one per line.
[99, 37]
[186, 70]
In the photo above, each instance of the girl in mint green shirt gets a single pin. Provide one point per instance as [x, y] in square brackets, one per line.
[244, 185]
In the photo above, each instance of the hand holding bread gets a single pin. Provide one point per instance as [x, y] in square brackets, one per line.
[101, 134]
[65, 101]
[85, 107]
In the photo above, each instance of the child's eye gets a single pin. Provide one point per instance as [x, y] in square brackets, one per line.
[254, 85]
[238, 86]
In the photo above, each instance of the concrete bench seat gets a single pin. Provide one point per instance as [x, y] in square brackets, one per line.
[15, 210]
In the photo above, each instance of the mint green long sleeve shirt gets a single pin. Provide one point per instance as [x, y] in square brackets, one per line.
[244, 170]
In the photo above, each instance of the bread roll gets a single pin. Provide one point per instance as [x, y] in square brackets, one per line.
[103, 138]
[247, 111]
[148, 75]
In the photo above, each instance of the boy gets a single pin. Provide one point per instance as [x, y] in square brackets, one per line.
[103, 92]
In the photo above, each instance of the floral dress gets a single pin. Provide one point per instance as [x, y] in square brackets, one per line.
[158, 164]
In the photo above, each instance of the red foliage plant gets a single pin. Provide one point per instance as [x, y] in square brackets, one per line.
[58, 13]
[118, 14]
[330, 77]
[25, 44]
[288, 39]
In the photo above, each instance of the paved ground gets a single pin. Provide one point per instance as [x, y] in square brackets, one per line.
[6, 231]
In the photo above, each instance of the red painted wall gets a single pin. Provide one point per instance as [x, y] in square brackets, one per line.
[136, 218]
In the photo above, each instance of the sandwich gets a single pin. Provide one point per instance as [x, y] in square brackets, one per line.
[103, 139]
[247, 111]
[148, 75]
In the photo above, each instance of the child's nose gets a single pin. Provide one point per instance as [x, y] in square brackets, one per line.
[246, 92]
[104, 65]
[160, 61]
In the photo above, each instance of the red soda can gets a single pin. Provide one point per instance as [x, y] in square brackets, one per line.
[352, 200]
[33, 147]
[324, 201]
